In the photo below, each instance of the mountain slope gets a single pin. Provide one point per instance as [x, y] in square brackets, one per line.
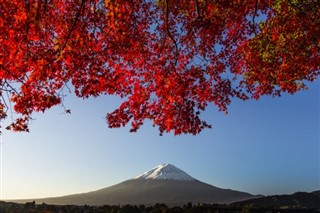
[163, 184]
[296, 200]
[137, 192]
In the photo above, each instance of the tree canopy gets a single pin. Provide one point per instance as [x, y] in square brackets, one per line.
[167, 60]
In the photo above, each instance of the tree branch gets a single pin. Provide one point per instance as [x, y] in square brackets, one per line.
[73, 25]
[197, 8]
[168, 31]
[253, 17]
[296, 6]
[9, 72]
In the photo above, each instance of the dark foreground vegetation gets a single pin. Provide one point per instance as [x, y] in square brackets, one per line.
[7, 207]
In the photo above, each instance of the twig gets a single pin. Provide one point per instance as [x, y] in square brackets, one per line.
[5, 103]
[8, 71]
[169, 33]
[45, 5]
[268, 6]
[73, 25]
[12, 88]
[10, 105]
[197, 8]
[253, 17]
[296, 6]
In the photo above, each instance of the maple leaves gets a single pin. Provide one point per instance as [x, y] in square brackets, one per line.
[285, 53]
[167, 59]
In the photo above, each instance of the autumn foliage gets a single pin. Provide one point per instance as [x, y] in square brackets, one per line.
[167, 59]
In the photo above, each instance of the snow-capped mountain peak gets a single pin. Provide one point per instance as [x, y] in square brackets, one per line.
[166, 172]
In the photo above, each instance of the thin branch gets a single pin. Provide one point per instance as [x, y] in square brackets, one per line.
[9, 72]
[73, 25]
[12, 88]
[197, 8]
[45, 5]
[10, 107]
[5, 103]
[253, 17]
[168, 31]
[296, 6]
[268, 6]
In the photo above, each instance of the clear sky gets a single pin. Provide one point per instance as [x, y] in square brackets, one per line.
[270, 146]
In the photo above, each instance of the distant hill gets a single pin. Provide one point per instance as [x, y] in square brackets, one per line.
[163, 184]
[296, 200]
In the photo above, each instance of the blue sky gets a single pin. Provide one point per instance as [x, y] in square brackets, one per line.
[270, 146]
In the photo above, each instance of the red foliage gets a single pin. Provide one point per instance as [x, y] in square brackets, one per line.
[168, 59]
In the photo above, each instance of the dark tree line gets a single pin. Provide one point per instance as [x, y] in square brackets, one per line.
[157, 208]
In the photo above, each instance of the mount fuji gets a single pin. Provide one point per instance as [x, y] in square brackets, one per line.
[162, 184]
[166, 172]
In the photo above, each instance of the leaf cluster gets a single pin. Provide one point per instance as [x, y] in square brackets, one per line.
[168, 60]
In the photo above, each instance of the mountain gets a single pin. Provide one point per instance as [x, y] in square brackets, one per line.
[296, 200]
[162, 184]
[166, 172]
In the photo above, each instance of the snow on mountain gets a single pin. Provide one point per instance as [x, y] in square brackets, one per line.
[166, 172]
